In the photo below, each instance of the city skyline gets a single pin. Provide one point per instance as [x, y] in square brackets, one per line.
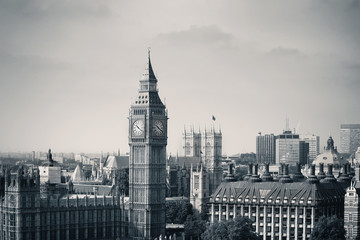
[68, 71]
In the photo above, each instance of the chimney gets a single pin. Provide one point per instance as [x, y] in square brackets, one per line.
[298, 176]
[285, 178]
[230, 176]
[329, 175]
[321, 173]
[255, 176]
[249, 174]
[312, 178]
[266, 177]
[344, 177]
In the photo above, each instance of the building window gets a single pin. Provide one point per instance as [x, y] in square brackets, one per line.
[350, 231]
[187, 149]
[350, 217]
[12, 219]
[196, 182]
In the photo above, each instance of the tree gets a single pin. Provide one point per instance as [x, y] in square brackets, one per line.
[238, 229]
[329, 228]
[177, 211]
[87, 174]
[123, 180]
[240, 172]
[194, 226]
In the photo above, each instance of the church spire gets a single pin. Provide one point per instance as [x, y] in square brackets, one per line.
[148, 75]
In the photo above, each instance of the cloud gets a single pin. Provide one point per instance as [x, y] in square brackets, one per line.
[50, 9]
[284, 52]
[11, 61]
[198, 35]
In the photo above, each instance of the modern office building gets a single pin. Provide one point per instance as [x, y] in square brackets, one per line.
[266, 148]
[303, 153]
[287, 209]
[349, 138]
[288, 148]
[314, 145]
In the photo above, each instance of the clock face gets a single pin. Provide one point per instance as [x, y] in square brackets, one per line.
[158, 128]
[138, 128]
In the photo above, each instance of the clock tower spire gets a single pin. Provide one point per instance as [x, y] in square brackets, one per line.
[147, 170]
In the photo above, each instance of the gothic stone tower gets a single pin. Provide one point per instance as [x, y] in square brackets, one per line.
[147, 170]
[20, 208]
[192, 143]
[199, 187]
[211, 157]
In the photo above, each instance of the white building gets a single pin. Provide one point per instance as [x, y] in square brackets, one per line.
[288, 148]
[314, 145]
[50, 173]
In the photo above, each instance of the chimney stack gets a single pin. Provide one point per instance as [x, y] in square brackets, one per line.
[321, 173]
[266, 177]
[285, 178]
[329, 175]
[312, 178]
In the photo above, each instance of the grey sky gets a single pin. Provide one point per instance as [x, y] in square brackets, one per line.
[69, 69]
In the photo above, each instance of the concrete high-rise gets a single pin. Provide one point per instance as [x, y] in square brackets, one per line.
[147, 169]
[266, 148]
[314, 145]
[349, 138]
[288, 148]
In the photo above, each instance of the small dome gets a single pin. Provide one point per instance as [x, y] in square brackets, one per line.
[330, 155]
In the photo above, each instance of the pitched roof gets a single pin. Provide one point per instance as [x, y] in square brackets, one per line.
[77, 174]
[277, 193]
[117, 162]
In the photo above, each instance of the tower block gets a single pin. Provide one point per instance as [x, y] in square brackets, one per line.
[147, 166]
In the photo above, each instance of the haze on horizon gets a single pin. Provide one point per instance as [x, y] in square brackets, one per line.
[70, 69]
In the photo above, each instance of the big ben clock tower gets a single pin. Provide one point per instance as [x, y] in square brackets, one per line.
[147, 170]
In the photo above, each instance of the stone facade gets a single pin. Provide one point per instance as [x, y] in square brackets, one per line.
[280, 210]
[147, 164]
[56, 214]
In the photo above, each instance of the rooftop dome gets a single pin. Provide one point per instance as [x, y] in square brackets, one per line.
[330, 155]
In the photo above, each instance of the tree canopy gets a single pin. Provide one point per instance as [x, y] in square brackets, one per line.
[328, 228]
[194, 226]
[240, 228]
[177, 211]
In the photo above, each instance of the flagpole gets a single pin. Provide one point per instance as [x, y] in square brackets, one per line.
[213, 122]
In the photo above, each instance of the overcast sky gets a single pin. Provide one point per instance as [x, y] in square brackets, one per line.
[70, 69]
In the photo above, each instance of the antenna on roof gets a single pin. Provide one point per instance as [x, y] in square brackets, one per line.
[287, 124]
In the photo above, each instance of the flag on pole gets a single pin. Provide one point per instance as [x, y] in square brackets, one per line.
[213, 118]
